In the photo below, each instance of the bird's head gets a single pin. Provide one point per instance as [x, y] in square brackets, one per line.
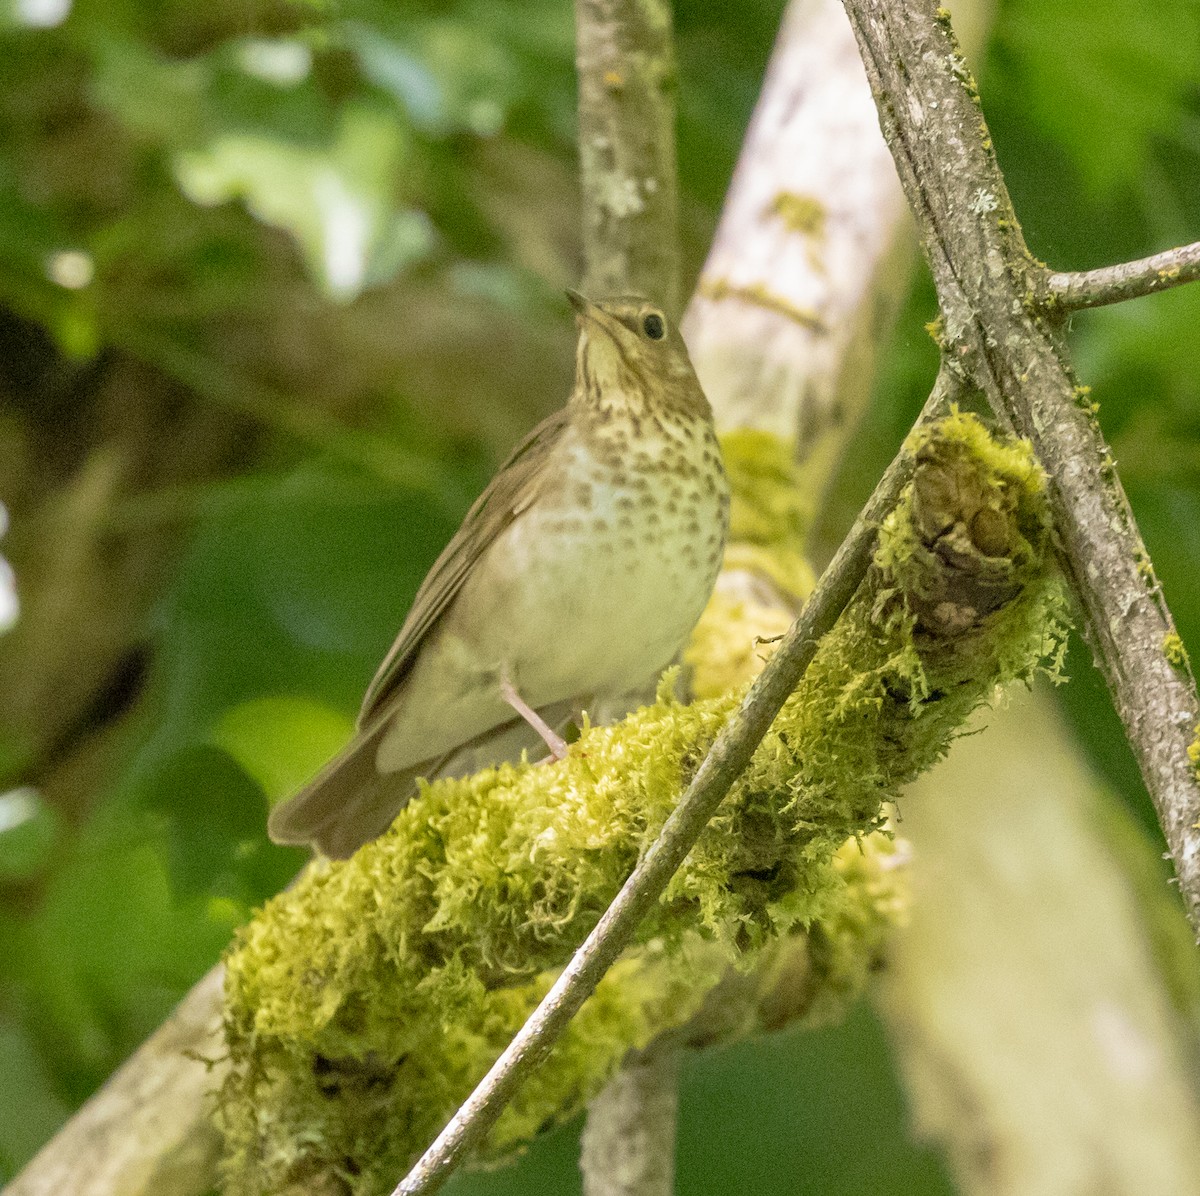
[631, 353]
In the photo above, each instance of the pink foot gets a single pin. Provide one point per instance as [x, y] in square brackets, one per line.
[556, 743]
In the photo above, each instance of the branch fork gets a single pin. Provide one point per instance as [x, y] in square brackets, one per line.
[1001, 312]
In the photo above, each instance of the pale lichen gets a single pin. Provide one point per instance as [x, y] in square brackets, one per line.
[363, 1004]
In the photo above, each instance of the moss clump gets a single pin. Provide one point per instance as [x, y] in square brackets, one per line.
[803, 214]
[767, 520]
[363, 1004]
[1174, 651]
[1193, 751]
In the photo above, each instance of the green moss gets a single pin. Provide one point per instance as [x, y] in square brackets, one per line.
[1174, 651]
[767, 528]
[363, 1004]
[803, 214]
[760, 296]
[766, 508]
[767, 520]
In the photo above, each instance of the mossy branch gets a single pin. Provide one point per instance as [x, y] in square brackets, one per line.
[364, 1004]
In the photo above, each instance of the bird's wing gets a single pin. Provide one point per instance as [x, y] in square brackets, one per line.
[510, 492]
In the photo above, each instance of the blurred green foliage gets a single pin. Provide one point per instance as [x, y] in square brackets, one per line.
[288, 273]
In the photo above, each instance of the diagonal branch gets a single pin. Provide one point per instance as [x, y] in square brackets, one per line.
[726, 759]
[988, 287]
[1128, 280]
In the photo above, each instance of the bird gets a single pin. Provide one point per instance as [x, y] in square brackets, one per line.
[572, 583]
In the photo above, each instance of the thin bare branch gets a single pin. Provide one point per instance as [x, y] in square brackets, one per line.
[1128, 280]
[626, 61]
[988, 284]
[721, 767]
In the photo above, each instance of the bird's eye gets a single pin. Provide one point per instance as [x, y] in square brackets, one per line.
[654, 327]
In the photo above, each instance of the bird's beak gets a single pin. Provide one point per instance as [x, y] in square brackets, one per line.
[594, 314]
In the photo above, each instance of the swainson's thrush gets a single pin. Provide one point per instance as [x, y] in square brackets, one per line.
[573, 581]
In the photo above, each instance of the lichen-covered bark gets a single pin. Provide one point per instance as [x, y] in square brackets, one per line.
[813, 251]
[626, 62]
[357, 1023]
[811, 254]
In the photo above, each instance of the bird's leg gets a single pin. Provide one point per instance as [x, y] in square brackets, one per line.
[556, 743]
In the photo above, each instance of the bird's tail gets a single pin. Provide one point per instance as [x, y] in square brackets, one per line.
[347, 803]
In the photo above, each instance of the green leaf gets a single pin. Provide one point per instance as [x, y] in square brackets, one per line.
[212, 815]
[281, 741]
[30, 1108]
[1101, 77]
[335, 200]
[160, 100]
[29, 831]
